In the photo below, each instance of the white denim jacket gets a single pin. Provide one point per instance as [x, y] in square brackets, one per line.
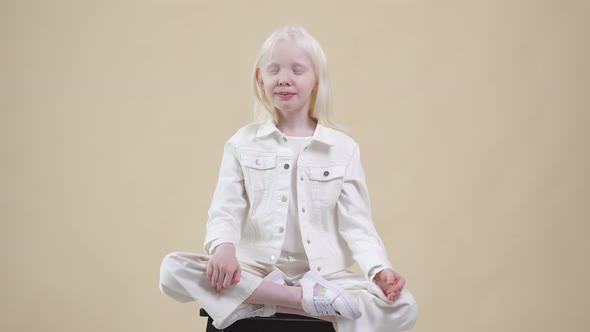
[249, 207]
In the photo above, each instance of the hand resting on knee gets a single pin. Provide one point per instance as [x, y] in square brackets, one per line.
[223, 269]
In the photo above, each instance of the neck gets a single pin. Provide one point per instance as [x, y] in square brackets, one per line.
[296, 126]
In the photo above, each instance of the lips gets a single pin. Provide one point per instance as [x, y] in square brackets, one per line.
[285, 94]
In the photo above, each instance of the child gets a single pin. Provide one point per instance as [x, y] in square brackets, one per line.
[291, 212]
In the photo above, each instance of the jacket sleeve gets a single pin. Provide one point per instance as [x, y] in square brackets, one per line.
[354, 220]
[229, 206]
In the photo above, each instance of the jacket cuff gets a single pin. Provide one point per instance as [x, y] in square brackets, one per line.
[372, 264]
[213, 240]
[376, 269]
[211, 245]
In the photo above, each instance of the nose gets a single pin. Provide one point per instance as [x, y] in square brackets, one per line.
[284, 79]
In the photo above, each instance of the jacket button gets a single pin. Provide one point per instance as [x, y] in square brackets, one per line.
[308, 241]
[272, 257]
[286, 166]
[326, 173]
[281, 229]
[284, 139]
[284, 199]
[301, 178]
[257, 161]
[318, 268]
[303, 210]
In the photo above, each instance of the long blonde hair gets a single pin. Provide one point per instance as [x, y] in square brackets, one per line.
[320, 107]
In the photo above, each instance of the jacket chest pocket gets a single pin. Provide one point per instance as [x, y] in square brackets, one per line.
[326, 183]
[260, 170]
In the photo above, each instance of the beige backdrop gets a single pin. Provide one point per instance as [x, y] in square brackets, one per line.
[473, 118]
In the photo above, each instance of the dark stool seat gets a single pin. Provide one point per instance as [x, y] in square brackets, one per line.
[278, 322]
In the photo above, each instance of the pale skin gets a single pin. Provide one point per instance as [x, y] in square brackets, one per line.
[288, 81]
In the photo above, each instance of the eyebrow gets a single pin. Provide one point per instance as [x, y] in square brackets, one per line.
[296, 63]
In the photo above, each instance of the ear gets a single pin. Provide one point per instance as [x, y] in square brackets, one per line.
[258, 78]
[315, 87]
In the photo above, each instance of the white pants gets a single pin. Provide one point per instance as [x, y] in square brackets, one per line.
[183, 278]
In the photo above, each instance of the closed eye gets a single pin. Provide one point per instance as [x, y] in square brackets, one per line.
[299, 70]
[272, 69]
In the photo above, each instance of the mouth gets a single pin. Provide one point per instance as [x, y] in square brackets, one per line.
[285, 95]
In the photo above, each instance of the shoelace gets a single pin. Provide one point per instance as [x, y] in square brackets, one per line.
[324, 307]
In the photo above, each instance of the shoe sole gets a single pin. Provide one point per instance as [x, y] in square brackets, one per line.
[348, 300]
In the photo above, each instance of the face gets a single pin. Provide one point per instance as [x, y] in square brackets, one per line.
[288, 78]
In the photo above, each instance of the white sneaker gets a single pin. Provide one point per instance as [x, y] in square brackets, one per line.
[323, 298]
[248, 310]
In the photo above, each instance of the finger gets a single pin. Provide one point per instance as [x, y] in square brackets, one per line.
[209, 271]
[387, 290]
[235, 279]
[393, 292]
[237, 276]
[395, 295]
[227, 280]
[220, 281]
[389, 293]
[390, 282]
[391, 296]
[214, 277]
[400, 283]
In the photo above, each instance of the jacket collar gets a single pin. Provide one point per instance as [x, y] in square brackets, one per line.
[321, 133]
